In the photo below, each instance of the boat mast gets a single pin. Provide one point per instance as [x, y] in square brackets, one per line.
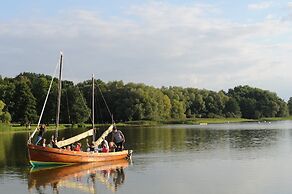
[92, 109]
[59, 96]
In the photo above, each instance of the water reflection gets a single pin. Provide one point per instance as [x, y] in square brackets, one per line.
[174, 138]
[13, 150]
[181, 139]
[82, 177]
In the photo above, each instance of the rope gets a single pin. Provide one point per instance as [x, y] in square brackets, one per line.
[41, 115]
[69, 118]
[111, 115]
[84, 103]
[99, 108]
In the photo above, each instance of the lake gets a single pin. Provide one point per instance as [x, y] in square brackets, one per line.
[247, 158]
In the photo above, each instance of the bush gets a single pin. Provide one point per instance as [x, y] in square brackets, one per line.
[81, 125]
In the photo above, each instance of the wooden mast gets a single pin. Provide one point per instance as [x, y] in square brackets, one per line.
[59, 96]
[92, 109]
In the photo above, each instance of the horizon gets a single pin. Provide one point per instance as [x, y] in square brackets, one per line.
[213, 45]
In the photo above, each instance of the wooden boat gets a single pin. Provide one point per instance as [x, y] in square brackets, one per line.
[44, 156]
[64, 176]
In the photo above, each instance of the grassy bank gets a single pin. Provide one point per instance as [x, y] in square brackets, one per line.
[198, 121]
[18, 127]
[208, 121]
[145, 123]
[276, 119]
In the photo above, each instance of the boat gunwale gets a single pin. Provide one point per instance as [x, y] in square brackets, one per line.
[75, 153]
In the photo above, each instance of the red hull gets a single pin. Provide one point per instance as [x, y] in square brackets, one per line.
[39, 155]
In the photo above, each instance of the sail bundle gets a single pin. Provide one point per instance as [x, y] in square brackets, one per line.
[85, 135]
[75, 138]
[103, 136]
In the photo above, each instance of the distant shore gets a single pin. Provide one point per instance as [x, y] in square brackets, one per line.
[145, 123]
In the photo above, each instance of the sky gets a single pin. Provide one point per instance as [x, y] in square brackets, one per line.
[211, 44]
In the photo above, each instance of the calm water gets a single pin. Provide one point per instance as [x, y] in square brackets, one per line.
[227, 158]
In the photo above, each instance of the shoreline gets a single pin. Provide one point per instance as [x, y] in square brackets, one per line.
[197, 121]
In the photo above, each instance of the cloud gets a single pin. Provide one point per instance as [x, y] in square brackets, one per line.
[259, 6]
[157, 44]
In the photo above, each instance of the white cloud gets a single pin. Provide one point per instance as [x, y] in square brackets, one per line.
[259, 6]
[158, 44]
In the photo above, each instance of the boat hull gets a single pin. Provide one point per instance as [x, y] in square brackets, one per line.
[45, 156]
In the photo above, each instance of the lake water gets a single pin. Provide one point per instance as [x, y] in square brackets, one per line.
[251, 158]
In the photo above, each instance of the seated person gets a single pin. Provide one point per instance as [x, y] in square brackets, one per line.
[44, 142]
[90, 146]
[104, 146]
[68, 148]
[52, 142]
[112, 146]
[78, 147]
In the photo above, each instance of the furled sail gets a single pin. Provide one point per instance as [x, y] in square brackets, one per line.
[75, 138]
[103, 136]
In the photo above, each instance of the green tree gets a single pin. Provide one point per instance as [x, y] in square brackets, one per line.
[24, 96]
[79, 112]
[283, 111]
[196, 105]
[5, 117]
[24, 102]
[257, 103]
[290, 105]
[232, 108]
[39, 89]
[7, 90]
[214, 103]
[177, 110]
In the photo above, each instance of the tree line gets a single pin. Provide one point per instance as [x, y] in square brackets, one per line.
[22, 98]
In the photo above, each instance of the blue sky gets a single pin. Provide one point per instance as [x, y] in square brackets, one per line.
[204, 44]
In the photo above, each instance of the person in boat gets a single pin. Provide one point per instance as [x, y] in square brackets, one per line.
[78, 147]
[68, 148]
[44, 142]
[42, 130]
[118, 138]
[52, 143]
[90, 146]
[112, 146]
[104, 147]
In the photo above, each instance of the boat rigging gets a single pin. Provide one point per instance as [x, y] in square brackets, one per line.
[40, 156]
